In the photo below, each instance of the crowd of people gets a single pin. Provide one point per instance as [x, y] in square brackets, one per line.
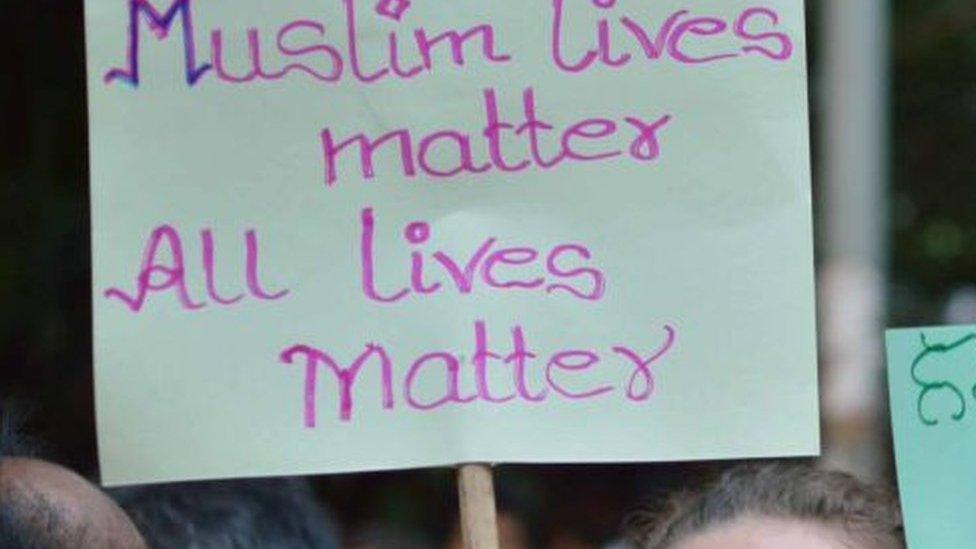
[755, 505]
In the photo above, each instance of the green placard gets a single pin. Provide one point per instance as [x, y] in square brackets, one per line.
[932, 380]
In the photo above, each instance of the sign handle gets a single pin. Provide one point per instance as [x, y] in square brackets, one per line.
[476, 492]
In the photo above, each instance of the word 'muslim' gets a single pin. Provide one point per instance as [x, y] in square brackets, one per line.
[333, 51]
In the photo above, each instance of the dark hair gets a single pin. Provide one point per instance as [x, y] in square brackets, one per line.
[28, 519]
[866, 513]
[12, 526]
[13, 441]
[277, 513]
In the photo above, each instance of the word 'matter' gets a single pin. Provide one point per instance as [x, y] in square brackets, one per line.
[533, 377]
[588, 140]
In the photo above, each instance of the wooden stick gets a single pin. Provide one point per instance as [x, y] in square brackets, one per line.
[479, 524]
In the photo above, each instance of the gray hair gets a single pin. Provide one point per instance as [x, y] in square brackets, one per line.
[867, 514]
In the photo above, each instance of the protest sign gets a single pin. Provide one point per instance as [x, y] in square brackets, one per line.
[933, 414]
[334, 236]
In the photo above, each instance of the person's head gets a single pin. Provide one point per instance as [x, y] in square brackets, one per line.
[45, 506]
[773, 505]
[280, 513]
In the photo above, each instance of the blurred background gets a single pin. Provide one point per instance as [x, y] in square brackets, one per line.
[893, 88]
